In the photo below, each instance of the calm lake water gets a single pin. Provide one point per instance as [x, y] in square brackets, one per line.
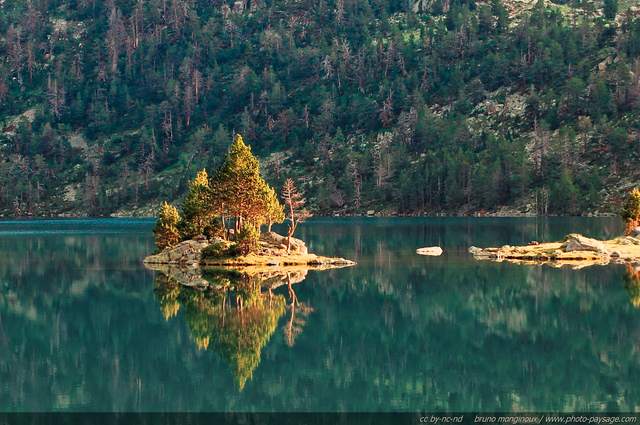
[85, 327]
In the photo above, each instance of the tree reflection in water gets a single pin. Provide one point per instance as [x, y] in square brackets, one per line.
[294, 325]
[631, 282]
[233, 313]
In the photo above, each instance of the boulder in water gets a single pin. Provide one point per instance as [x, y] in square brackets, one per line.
[432, 251]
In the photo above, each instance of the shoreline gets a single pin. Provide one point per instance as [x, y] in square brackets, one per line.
[336, 215]
[576, 250]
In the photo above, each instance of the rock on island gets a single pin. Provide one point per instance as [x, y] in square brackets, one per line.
[272, 251]
[575, 250]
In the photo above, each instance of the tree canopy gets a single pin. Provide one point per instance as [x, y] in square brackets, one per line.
[197, 208]
[239, 189]
[235, 197]
[165, 230]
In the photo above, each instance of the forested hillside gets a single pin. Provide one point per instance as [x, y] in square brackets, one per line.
[407, 106]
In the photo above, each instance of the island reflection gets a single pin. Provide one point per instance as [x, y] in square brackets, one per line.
[233, 313]
[631, 282]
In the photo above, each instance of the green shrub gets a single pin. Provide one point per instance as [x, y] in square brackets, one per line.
[213, 229]
[220, 250]
[247, 239]
[569, 236]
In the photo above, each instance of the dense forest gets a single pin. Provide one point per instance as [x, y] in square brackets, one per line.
[397, 106]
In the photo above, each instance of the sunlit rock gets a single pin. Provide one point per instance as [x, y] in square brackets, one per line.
[581, 243]
[272, 238]
[432, 251]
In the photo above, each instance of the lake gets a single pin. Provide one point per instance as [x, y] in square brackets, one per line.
[85, 327]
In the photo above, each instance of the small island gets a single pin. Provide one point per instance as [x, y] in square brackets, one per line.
[576, 250]
[221, 221]
[271, 251]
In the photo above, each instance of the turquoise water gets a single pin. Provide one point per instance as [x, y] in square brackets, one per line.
[82, 328]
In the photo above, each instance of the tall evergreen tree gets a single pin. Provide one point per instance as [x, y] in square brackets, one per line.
[274, 210]
[610, 9]
[239, 187]
[166, 231]
[198, 210]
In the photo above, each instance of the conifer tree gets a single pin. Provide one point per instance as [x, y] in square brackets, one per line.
[610, 9]
[239, 189]
[237, 180]
[197, 209]
[274, 210]
[248, 238]
[166, 230]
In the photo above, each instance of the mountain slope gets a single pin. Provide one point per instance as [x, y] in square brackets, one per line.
[421, 107]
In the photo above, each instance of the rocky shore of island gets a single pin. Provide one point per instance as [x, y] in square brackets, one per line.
[272, 252]
[575, 250]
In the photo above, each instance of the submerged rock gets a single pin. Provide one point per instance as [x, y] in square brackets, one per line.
[325, 261]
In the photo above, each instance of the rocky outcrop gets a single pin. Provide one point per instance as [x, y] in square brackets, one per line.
[275, 240]
[576, 242]
[187, 253]
[475, 250]
[576, 250]
[272, 253]
[326, 261]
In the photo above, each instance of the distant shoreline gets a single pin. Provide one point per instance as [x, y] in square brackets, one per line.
[336, 215]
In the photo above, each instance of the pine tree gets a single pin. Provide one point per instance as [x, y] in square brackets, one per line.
[274, 210]
[239, 189]
[610, 9]
[166, 230]
[197, 209]
[237, 179]
[247, 239]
